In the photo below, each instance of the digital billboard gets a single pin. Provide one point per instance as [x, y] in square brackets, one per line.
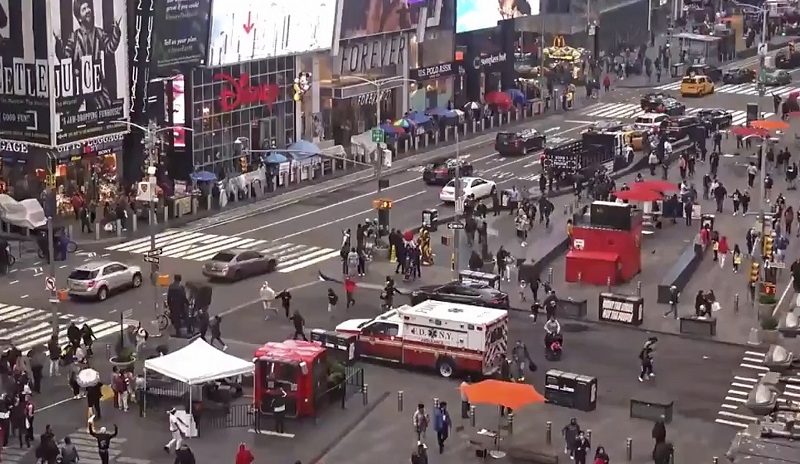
[181, 32]
[248, 30]
[472, 15]
[363, 18]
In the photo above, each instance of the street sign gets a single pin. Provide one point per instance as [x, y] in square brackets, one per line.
[377, 135]
[151, 259]
[50, 283]
[455, 225]
[154, 252]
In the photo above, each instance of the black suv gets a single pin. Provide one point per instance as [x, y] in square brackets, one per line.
[471, 293]
[715, 119]
[518, 143]
[713, 73]
[682, 126]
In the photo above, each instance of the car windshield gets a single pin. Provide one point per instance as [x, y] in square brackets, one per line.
[452, 184]
[223, 257]
[506, 137]
[644, 120]
[82, 274]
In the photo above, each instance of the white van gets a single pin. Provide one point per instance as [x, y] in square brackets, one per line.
[649, 120]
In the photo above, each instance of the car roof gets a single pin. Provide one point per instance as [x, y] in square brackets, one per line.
[236, 251]
[95, 265]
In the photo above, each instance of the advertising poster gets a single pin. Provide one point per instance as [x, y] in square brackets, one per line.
[24, 93]
[363, 18]
[178, 111]
[472, 15]
[248, 30]
[181, 32]
[91, 71]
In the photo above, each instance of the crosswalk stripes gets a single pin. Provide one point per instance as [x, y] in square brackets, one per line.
[730, 412]
[750, 88]
[195, 246]
[632, 111]
[13, 455]
[31, 327]
[87, 449]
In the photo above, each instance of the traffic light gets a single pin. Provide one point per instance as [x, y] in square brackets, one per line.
[766, 250]
[754, 276]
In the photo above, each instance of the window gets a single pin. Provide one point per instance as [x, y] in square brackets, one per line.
[82, 274]
[113, 268]
[223, 257]
[385, 329]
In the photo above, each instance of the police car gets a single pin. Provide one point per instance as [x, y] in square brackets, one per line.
[519, 143]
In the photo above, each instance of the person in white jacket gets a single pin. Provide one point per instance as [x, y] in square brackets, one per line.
[267, 294]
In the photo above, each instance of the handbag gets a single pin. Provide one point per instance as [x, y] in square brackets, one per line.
[531, 366]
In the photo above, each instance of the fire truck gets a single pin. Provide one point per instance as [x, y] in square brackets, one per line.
[447, 337]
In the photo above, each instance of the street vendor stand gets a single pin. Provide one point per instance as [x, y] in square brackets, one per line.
[193, 365]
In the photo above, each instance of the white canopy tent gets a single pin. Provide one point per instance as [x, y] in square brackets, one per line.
[197, 363]
[194, 364]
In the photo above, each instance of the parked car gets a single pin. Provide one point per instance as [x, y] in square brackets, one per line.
[238, 264]
[772, 76]
[715, 118]
[477, 186]
[739, 76]
[99, 279]
[518, 143]
[442, 171]
[471, 293]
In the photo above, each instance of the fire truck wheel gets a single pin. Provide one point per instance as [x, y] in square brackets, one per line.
[446, 367]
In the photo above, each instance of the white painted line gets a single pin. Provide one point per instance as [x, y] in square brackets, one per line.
[737, 416]
[752, 366]
[729, 406]
[792, 387]
[270, 432]
[742, 385]
[737, 392]
[791, 395]
[734, 424]
[333, 254]
[746, 379]
[756, 354]
[736, 400]
[754, 360]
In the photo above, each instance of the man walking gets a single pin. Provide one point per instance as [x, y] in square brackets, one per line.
[175, 424]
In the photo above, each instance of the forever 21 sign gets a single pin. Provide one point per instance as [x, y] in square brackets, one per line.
[434, 72]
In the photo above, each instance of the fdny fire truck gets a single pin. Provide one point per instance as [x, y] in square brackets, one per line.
[448, 337]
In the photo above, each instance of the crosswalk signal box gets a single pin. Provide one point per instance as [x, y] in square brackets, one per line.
[383, 206]
[767, 247]
[754, 276]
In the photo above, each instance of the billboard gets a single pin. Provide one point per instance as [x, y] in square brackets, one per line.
[363, 18]
[248, 30]
[472, 15]
[176, 86]
[181, 32]
[91, 69]
[24, 93]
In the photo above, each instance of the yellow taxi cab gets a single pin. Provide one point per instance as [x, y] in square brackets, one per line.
[696, 86]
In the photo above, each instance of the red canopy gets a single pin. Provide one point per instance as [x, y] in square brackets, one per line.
[742, 131]
[638, 195]
[657, 185]
[498, 98]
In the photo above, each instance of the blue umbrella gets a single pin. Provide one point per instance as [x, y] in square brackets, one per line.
[203, 176]
[305, 147]
[388, 128]
[418, 118]
[516, 95]
[275, 158]
[439, 112]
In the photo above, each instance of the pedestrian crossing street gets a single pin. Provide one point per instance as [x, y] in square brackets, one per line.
[196, 246]
[632, 111]
[84, 443]
[750, 88]
[31, 327]
[751, 370]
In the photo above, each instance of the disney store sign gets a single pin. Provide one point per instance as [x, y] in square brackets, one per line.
[93, 145]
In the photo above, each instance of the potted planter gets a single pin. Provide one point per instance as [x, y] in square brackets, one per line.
[769, 331]
[124, 357]
[766, 305]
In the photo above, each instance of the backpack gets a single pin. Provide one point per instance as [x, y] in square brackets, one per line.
[119, 384]
[69, 455]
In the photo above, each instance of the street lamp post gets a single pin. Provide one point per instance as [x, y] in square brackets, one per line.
[379, 84]
[151, 133]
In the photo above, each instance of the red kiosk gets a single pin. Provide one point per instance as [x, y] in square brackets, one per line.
[608, 248]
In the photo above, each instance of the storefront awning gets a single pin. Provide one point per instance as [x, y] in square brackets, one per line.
[350, 90]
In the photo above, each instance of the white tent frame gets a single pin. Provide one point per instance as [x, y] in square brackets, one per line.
[197, 363]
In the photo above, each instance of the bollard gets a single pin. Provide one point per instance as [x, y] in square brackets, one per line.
[550, 276]
[566, 210]
[135, 222]
[629, 449]
[400, 401]
[548, 433]
[473, 126]
[608, 284]
[208, 201]
[580, 277]
[69, 231]
[639, 288]
[108, 350]
[510, 423]
[119, 227]
[716, 460]
[672, 456]
[97, 228]
[471, 415]
[436, 403]
[364, 396]
[736, 303]
[166, 213]
[589, 435]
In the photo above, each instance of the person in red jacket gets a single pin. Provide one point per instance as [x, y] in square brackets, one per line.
[723, 249]
[244, 456]
[349, 290]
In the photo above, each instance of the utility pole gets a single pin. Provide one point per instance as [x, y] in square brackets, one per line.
[152, 255]
[379, 167]
[762, 55]
[51, 280]
[459, 207]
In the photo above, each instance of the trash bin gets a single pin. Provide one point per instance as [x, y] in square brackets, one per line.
[707, 219]
[430, 219]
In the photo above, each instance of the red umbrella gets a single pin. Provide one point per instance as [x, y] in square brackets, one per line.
[408, 236]
[656, 185]
[498, 98]
[638, 195]
[743, 131]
